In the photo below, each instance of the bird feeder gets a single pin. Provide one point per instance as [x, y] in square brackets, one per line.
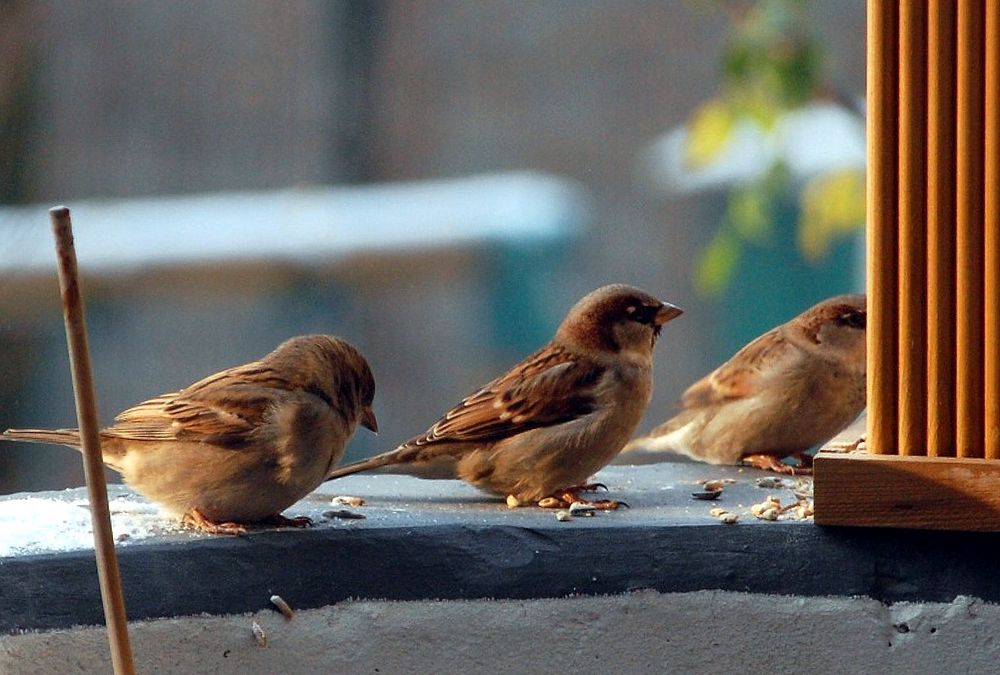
[933, 275]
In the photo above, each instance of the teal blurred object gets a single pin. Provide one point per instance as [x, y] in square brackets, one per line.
[773, 282]
[521, 278]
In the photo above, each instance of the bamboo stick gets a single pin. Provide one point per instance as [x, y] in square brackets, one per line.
[969, 333]
[93, 466]
[941, 229]
[992, 223]
[912, 208]
[882, 225]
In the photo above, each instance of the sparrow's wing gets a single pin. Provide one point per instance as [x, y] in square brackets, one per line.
[223, 408]
[549, 387]
[743, 374]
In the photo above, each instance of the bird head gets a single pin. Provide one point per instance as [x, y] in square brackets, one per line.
[838, 326]
[617, 318]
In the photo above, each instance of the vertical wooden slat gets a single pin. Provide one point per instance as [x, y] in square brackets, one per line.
[969, 332]
[992, 221]
[912, 207]
[882, 224]
[941, 229]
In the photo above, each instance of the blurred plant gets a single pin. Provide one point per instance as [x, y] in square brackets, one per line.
[772, 65]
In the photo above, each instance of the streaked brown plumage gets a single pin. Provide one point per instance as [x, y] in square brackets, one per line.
[557, 417]
[243, 444]
[787, 391]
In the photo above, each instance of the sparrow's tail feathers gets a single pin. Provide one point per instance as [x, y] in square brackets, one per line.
[385, 459]
[662, 444]
[70, 437]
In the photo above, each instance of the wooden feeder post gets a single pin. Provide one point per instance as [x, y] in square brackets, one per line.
[933, 272]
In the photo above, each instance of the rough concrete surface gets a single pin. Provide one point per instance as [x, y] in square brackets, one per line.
[641, 632]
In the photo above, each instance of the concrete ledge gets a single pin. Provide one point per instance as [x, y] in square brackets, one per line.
[426, 540]
[642, 632]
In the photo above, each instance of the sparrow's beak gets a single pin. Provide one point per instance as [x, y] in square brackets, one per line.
[667, 312]
[368, 420]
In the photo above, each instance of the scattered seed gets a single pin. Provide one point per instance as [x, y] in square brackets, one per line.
[513, 502]
[581, 509]
[259, 636]
[769, 509]
[344, 514]
[729, 518]
[717, 511]
[563, 516]
[774, 482]
[715, 483]
[550, 503]
[282, 606]
[348, 501]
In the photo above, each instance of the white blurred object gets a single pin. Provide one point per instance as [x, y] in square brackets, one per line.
[815, 138]
[302, 225]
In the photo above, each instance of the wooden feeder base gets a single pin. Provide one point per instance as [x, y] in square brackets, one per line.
[938, 493]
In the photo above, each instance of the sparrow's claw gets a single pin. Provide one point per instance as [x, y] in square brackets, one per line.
[279, 520]
[772, 463]
[196, 520]
[589, 487]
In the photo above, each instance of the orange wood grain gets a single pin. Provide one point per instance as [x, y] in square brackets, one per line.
[969, 333]
[940, 493]
[912, 208]
[941, 229]
[882, 222]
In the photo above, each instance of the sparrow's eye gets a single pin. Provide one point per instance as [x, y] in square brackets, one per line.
[642, 313]
[852, 319]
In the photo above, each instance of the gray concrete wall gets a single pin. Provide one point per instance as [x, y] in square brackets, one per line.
[643, 632]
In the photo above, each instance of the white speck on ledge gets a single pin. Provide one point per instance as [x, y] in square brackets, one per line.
[33, 525]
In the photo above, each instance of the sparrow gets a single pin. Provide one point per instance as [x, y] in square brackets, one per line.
[788, 390]
[554, 419]
[244, 444]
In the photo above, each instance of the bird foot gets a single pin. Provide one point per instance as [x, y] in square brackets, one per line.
[772, 463]
[570, 496]
[589, 487]
[196, 520]
[279, 520]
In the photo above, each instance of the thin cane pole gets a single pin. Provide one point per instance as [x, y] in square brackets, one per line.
[93, 466]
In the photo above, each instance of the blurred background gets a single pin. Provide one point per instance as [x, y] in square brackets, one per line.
[436, 181]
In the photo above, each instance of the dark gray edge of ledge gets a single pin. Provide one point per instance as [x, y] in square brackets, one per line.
[314, 568]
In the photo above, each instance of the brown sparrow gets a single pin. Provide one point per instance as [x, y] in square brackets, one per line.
[556, 418]
[787, 391]
[244, 444]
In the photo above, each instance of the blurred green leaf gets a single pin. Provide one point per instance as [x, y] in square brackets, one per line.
[708, 132]
[831, 205]
[749, 210]
[717, 263]
[772, 64]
